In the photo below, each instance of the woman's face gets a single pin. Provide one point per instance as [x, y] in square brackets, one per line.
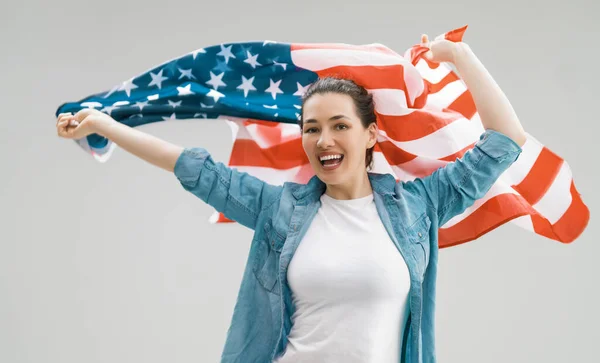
[334, 138]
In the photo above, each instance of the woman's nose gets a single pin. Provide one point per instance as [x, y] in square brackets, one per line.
[325, 140]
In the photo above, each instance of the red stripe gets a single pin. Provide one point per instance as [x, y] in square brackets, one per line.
[464, 105]
[493, 213]
[370, 77]
[283, 156]
[540, 176]
[415, 125]
[570, 226]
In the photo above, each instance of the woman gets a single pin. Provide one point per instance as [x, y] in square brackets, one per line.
[341, 269]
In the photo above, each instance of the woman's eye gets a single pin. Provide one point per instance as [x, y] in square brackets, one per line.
[311, 130]
[341, 126]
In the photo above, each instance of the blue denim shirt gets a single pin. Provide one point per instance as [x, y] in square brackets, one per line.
[411, 212]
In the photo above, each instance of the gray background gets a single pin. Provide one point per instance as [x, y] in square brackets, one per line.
[116, 262]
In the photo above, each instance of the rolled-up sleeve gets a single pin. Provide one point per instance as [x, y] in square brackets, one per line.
[238, 195]
[456, 186]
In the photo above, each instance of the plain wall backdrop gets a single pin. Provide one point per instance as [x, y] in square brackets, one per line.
[116, 262]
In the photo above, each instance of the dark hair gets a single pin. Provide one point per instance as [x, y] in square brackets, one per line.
[364, 104]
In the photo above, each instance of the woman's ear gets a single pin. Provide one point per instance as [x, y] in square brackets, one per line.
[373, 132]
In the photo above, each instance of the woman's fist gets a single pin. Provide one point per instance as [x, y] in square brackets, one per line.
[82, 124]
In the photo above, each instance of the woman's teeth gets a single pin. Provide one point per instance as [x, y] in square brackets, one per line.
[331, 160]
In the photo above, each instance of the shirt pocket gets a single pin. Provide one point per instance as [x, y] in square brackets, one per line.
[265, 264]
[418, 235]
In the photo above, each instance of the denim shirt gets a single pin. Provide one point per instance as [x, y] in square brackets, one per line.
[280, 215]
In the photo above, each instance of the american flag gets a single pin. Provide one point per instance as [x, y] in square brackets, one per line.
[426, 117]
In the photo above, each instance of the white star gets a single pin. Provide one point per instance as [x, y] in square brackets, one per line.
[90, 104]
[301, 89]
[216, 81]
[113, 90]
[157, 79]
[274, 88]
[170, 118]
[186, 73]
[200, 114]
[215, 95]
[141, 105]
[174, 104]
[274, 107]
[298, 107]
[283, 65]
[184, 91]
[268, 41]
[195, 53]
[251, 60]
[206, 106]
[153, 97]
[276, 115]
[127, 86]
[226, 52]
[246, 85]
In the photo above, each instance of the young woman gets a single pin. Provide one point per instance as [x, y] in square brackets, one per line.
[341, 269]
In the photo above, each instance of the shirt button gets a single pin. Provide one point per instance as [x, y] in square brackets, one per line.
[420, 234]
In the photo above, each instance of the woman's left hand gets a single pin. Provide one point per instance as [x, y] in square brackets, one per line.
[440, 50]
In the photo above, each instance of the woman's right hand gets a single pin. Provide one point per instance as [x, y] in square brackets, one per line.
[82, 124]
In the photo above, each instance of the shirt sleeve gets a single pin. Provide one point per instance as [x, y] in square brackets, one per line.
[238, 195]
[456, 186]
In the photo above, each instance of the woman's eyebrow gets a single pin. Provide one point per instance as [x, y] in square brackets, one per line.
[333, 118]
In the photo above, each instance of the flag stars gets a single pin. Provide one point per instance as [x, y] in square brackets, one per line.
[247, 85]
[195, 53]
[252, 60]
[174, 104]
[216, 81]
[157, 79]
[185, 91]
[274, 88]
[171, 118]
[186, 73]
[283, 65]
[301, 89]
[141, 105]
[215, 95]
[226, 52]
[128, 86]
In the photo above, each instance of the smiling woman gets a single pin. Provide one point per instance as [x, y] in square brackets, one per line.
[339, 132]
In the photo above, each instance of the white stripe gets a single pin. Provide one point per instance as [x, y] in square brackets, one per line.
[440, 143]
[389, 101]
[524, 222]
[319, 59]
[417, 168]
[381, 165]
[557, 199]
[519, 170]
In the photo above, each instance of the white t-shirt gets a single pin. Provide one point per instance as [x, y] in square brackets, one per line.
[350, 286]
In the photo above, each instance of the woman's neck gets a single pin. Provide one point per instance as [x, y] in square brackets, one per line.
[353, 189]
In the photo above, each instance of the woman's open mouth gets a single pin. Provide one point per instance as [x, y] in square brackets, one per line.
[331, 162]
